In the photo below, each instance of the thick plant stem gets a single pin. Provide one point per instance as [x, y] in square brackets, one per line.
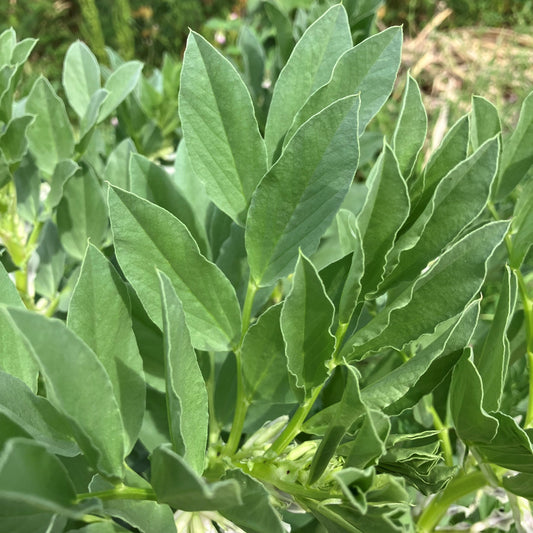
[241, 402]
[456, 489]
[295, 424]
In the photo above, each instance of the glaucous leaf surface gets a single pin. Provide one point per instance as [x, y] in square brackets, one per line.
[90, 405]
[306, 319]
[8, 292]
[50, 135]
[225, 147]
[36, 416]
[411, 128]
[177, 484]
[264, 364]
[369, 69]
[121, 82]
[16, 358]
[440, 293]
[147, 237]
[299, 196]
[484, 121]
[308, 68]
[81, 76]
[517, 159]
[186, 394]
[99, 314]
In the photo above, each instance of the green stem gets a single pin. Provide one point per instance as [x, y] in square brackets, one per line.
[444, 436]
[241, 408]
[295, 424]
[241, 402]
[456, 489]
[119, 493]
[527, 304]
[214, 428]
[263, 472]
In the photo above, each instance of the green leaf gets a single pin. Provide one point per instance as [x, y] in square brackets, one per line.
[186, 393]
[306, 319]
[22, 50]
[62, 173]
[404, 386]
[347, 411]
[50, 135]
[283, 29]
[117, 169]
[492, 360]
[99, 313]
[19, 518]
[29, 474]
[451, 151]
[411, 128]
[146, 516]
[90, 118]
[459, 198]
[121, 82]
[511, 447]
[517, 157]
[370, 440]
[522, 225]
[51, 267]
[36, 416]
[484, 122]
[352, 285]
[8, 39]
[520, 484]
[264, 365]
[147, 237]
[190, 185]
[385, 209]
[153, 183]
[8, 292]
[471, 421]
[308, 68]
[256, 514]
[299, 196]
[223, 140]
[89, 404]
[438, 294]
[369, 69]
[16, 358]
[28, 187]
[82, 213]
[178, 485]
[81, 76]
[13, 141]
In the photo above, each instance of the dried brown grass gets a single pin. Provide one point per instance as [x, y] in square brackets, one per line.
[452, 65]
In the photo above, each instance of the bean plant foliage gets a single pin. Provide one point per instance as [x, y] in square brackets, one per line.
[258, 339]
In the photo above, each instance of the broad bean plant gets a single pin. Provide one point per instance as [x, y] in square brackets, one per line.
[257, 339]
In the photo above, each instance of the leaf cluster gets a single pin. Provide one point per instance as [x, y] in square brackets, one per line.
[255, 339]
